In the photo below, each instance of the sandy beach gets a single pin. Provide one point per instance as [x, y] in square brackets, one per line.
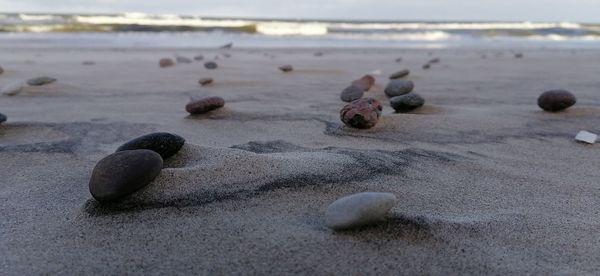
[487, 182]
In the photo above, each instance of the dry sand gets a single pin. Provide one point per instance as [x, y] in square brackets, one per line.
[487, 183]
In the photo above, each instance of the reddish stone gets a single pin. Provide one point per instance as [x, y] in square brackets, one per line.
[362, 113]
[166, 62]
[366, 82]
[200, 106]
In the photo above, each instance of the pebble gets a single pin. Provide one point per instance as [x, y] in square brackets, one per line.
[13, 88]
[165, 62]
[123, 173]
[435, 60]
[199, 57]
[357, 210]
[400, 74]
[40, 81]
[226, 46]
[586, 137]
[399, 59]
[362, 113]
[2, 118]
[286, 68]
[518, 55]
[163, 143]
[210, 65]
[205, 81]
[181, 59]
[88, 63]
[556, 100]
[318, 54]
[365, 83]
[426, 66]
[1, 70]
[407, 102]
[399, 87]
[203, 105]
[352, 93]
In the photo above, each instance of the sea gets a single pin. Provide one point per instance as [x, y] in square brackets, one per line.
[139, 30]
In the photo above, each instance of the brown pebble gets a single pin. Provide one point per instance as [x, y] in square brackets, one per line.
[166, 62]
[203, 105]
[556, 100]
[205, 81]
[362, 113]
[400, 74]
[366, 82]
[286, 68]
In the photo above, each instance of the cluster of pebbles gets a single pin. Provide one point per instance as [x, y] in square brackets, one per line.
[169, 62]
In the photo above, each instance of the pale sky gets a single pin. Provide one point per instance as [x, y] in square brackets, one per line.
[511, 10]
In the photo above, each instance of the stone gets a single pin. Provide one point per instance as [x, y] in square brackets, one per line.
[2, 118]
[204, 105]
[181, 59]
[13, 88]
[556, 100]
[318, 54]
[407, 102]
[357, 210]
[40, 81]
[199, 57]
[365, 83]
[122, 173]
[163, 143]
[352, 93]
[211, 65]
[400, 74]
[586, 137]
[226, 55]
[205, 81]
[519, 55]
[227, 46]
[362, 113]
[88, 63]
[435, 60]
[166, 62]
[399, 87]
[286, 68]
[426, 66]
[399, 59]
[1, 70]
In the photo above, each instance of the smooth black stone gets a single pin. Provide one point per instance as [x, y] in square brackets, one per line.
[399, 87]
[352, 93]
[211, 65]
[2, 118]
[165, 144]
[122, 173]
[556, 100]
[407, 102]
[40, 81]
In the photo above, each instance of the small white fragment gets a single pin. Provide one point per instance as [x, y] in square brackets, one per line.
[13, 88]
[376, 72]
[358, 210]
[586, 137]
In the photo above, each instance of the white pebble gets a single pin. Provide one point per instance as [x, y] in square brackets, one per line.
[12, 89]
[358, 210]
[587, 137]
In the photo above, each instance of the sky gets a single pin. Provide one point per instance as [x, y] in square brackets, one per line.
[509, 10]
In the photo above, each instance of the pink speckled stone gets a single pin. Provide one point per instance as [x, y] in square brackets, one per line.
[362, 113]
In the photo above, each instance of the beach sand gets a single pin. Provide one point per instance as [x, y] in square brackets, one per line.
[487, 182]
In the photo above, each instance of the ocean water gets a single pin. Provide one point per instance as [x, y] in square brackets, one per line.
[155, 31]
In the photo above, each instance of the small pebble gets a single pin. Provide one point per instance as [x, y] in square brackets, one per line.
[165, 62]
[13, 88]
[88, 63]
[210, 65]
[226, 55]
[227, 46]
[318, 54]
[40, 81]
[556, 100]
[399, 59]
[205, 81]
[399, 87]
[199, 57]
[518, 55]
[357, 210]
[163, 143]
[362, 113]
[400, 74]
[426, 66]
[407, 102]
[365, 83]
[123, 173]
[2, 118]
[586, 137]
[352, 93]
[203, 105]
[1, 70]
[181, 59]
[435, 60]
[286, 68]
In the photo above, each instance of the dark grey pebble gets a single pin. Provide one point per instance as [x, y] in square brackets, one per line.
[399, 87]
[400, 74]
[211, 65]
[205, 81]
[286, 68]
[407, 102]
[518, 55]
[351, 93]
[556, 100]
[2, 118]
[163, 143]
[399, 59]
[181, 59]
[1, 70]
[226, 46]
[40, 81]
[435, 60]
[123, 173]
[199, 57]
[426, 66]
[88, 62]
[203, 105]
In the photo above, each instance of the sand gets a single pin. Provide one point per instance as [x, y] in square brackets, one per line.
[487, 183]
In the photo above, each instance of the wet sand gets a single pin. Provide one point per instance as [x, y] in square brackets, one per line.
[487, 182]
